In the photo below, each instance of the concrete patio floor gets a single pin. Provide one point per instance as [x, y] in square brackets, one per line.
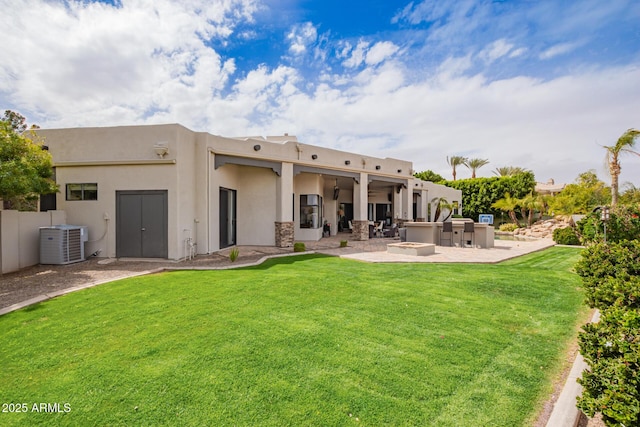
[375, 250]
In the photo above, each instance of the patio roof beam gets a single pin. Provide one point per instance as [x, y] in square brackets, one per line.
[221, 160]
[404, 182]
[297, 169]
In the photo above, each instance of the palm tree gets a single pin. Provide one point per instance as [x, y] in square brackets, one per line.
[456, 161]
[508, 204]
[509, 170]
[529, 204]
[475, 164]
[442, 205]
[625, 144]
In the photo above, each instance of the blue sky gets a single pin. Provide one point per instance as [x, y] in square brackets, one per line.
[537, 84]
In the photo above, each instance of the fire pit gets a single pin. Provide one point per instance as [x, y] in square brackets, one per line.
[411, 248]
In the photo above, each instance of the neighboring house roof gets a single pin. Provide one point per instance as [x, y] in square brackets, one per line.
[549, 187]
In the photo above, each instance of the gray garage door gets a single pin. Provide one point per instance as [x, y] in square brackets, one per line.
[141, 224]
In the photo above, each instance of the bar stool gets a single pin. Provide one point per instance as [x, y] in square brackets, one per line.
[469, 227]
[447, 227]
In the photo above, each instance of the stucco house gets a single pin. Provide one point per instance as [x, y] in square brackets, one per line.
[168, 192]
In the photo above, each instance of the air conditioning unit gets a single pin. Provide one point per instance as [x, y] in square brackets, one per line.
[62, 244]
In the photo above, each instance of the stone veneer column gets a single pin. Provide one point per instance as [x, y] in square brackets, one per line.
[360, 198]
[284, 234]
[284, 208]
[360, 229]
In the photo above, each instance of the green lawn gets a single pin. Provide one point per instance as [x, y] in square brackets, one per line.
[305, 340]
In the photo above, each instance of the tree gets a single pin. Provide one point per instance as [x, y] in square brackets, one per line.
[625, 144]
[17, 121]
[475, 164]
[630, 195]
[530, 204]
[455, 161]
[508, 204]
[582, 196]
[442, 207]
[25, 168]
[429, 175]
[509, 171]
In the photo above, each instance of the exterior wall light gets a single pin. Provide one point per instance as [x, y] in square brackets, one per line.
[399, 170]
[347, 162]
[314, 156]
[257, 147]
[377, 167]
[161, 149]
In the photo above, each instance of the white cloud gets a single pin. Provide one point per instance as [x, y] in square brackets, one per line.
[380, 52]
[558, 49]
[554, 128]
[495, 50]
[452, 67]
[518, 52]
[94, 65]
[301, 36]
[73, 61]
[355, 56]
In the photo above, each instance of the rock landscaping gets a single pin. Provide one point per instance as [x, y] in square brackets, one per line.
[543, 229]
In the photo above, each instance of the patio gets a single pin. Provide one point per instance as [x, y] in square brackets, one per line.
[375, 250]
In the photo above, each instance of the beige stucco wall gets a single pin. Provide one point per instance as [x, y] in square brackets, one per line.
[255, 204]
[434, 191]
[118, 159]
[20, 237]
[124, 158]
[188, 192]
[100, 215]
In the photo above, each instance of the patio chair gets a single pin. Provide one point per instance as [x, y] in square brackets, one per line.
[391, 232]
[447, 228]
[469, 228]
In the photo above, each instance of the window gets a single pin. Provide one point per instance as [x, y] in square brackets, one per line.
[310, 211]
[82, 191]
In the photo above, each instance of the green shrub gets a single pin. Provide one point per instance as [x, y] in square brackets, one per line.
[566, 236]
[508, 226]
[299, 247]
[343, 243]
[611, 280]
[623, 224]
[611, 386]
[233, 255]
[602, 262]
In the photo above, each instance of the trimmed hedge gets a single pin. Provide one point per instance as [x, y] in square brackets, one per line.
[478, 194]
